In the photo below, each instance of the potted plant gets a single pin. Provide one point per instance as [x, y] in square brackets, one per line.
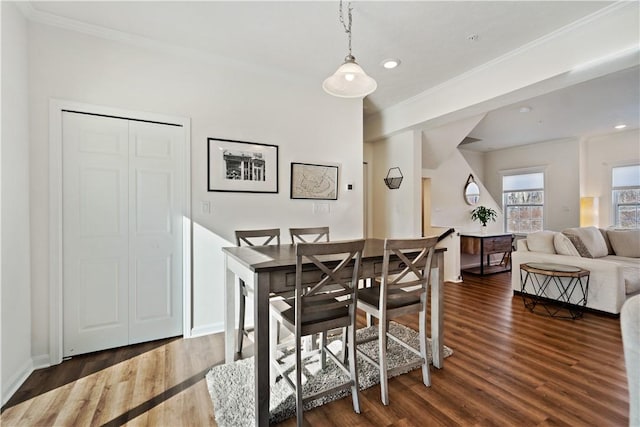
[483, 214]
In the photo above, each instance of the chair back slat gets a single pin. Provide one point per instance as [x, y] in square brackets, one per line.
[417, 256]
[337, 288]
[258, 237]
[309, 234]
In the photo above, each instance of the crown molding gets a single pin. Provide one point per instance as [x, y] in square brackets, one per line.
[46, 18]
[26, 8]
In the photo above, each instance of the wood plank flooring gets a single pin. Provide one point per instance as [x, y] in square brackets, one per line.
[509, 367]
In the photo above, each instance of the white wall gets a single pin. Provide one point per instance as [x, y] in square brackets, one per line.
[601, 153]
[449, 209]
[560, 162]
[15, 353]
[396, 213]
[222, 100]
[476, 162]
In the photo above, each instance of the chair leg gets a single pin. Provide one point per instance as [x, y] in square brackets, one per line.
[422, 319]
[242, 310]
[353, 368]
[382, 342]
[274, 327]
[345, 343]
[323, 351]
[299, 408]
[369, 317]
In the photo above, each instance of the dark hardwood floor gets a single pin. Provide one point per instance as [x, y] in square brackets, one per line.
[509, 367]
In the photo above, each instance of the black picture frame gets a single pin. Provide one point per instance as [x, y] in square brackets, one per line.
[241, 166]
[314, 181]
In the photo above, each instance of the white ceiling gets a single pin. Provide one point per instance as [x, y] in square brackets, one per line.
[586, 109]
[304, 39]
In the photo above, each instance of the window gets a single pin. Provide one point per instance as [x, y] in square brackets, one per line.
[523, 202]
[625, 197]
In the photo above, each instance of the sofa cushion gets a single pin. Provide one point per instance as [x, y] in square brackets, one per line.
[588, 241]
[630, 272]
[606, 240]
[563, 245]
[625, 242]
[541, 241]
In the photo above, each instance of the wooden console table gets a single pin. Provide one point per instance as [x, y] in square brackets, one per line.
[485, 245]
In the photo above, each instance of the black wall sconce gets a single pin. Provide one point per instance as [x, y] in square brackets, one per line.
[394, 178]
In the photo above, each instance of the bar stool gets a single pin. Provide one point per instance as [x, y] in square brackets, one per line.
[251, 238]
[325, 303]
[397, 295]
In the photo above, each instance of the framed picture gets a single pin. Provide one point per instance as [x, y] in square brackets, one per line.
[245, 167]
[310, 181]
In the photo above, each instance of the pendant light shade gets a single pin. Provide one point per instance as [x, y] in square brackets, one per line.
[350, 80]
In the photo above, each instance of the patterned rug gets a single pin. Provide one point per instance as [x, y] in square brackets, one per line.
[231, 386]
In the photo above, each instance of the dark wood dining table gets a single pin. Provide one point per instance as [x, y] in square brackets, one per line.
[271, 269]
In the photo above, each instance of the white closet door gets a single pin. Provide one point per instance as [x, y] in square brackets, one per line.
[155, 221]
[95, 233]
[122, 232]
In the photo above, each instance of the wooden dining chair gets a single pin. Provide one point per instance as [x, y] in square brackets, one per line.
[397, 295]
[251, 238]
[324, 301]
[309, 234]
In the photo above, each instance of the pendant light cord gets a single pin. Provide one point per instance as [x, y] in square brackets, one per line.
[347, 26]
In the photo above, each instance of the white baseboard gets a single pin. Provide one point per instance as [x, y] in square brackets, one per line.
[16, 380]
[212, 328]
[42, 361]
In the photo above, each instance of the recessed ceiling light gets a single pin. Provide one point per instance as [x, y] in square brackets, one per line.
[390, 63]
[473, 37]
[620, 126]
[525, 109]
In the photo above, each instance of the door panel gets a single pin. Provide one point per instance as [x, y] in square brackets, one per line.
[155, 231]
[95, 233]
[153, 204]
[100, 210]
[153, 276]
[122, 232]
[99, 304]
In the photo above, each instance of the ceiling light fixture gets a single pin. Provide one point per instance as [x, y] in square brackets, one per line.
[525, 109]
[350, 80]
[390, 64]
[620, 126]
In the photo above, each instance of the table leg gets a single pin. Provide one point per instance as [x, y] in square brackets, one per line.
[261, 348]
[229, 313]
[437, 311]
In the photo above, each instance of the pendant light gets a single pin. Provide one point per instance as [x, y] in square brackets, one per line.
[350, 80]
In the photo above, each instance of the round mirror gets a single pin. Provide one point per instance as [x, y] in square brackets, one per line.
[471, 191]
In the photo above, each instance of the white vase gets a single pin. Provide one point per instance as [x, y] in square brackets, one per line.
[483, 230]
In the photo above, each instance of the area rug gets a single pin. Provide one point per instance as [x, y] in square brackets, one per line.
[231, 386]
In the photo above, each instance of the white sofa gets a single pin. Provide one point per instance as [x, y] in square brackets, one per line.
[612, 257]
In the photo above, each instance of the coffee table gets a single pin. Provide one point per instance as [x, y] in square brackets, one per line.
[560, 290]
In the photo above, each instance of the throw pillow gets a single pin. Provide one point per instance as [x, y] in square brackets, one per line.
[577, 243]
[625, 243]
[541, 241]
[564, 246]
[588, 241]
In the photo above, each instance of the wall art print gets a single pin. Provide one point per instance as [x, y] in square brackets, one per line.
[310, 181]
[239, 166]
